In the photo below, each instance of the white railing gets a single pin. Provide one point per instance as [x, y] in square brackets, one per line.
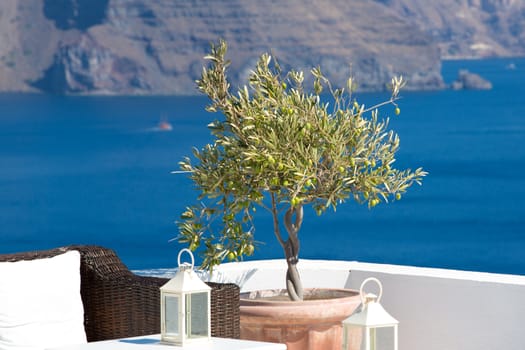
[437, 309]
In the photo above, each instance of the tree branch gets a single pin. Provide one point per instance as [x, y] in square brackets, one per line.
[275, 215]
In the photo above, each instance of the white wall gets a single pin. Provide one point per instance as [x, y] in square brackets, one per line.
[437, 309]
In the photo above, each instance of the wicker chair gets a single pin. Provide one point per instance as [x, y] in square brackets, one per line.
[119, 304]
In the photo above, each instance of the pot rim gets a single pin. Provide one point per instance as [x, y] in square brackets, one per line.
[253, 298]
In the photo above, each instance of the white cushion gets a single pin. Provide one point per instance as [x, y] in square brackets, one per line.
[40, 303]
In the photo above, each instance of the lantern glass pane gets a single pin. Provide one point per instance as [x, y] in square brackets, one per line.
[385, 338]
[171, 303]
[362, 338]
[198, 320]
[354, 338]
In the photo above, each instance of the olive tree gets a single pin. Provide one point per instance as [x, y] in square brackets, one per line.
[280, 146]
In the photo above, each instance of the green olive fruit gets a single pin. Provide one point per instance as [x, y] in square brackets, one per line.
[249, 249]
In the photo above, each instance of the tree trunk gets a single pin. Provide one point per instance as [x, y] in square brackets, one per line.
[291, 250]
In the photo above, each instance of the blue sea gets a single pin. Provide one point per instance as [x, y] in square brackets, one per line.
[97, 170]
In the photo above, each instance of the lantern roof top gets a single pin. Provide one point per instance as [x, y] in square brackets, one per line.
[186, 280]
[371, 314]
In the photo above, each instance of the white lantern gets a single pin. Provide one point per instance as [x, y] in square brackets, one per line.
[370, 327]
[185, 307]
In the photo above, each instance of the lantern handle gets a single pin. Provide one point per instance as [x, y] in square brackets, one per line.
[371, 279]
[191, 256]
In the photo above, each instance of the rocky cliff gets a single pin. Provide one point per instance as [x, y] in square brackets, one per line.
[468, 28]
[156, 47]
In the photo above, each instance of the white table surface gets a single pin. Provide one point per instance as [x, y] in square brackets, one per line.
[152, 342]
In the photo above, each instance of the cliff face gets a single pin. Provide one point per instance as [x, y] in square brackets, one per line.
[156, 47]
[468, 28]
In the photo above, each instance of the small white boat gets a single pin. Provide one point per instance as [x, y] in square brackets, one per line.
[164, 126]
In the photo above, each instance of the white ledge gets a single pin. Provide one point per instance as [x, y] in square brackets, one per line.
[348, 266]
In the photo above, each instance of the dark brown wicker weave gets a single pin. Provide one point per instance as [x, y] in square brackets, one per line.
[119, 304]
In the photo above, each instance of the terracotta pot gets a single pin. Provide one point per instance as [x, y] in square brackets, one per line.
[314, 323]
